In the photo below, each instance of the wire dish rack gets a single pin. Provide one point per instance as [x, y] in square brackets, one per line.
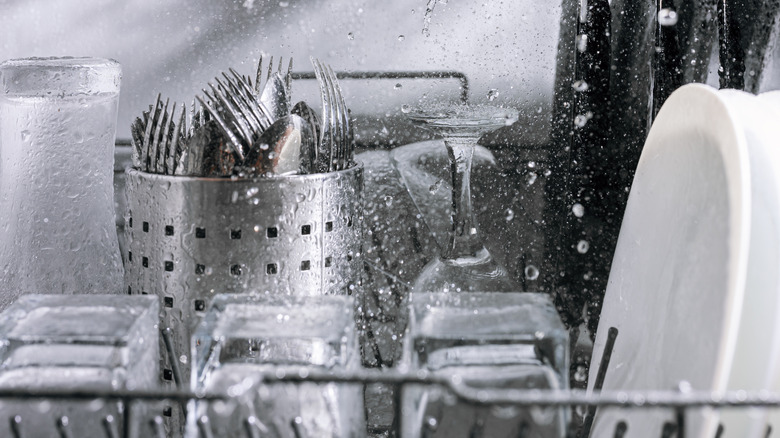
[584, 405]
[680, 403]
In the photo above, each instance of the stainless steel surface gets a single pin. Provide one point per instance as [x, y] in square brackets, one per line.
[188, 239]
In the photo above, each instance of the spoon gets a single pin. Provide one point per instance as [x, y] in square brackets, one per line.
[285, 148]
[308, 114]
[275, 97]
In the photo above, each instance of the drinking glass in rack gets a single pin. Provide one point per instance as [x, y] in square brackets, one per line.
[464, 264]
[76, 343]
[245, 336]
[482, 341]
[57, 127]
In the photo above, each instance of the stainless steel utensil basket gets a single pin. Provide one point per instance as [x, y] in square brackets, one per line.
[189, 238]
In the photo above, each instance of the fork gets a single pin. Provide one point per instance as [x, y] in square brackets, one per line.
[240, 116]
[336, 139]
[158, 138]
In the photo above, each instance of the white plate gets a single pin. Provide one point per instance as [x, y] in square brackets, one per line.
[676, 285]
[758, 340]
[772, 102]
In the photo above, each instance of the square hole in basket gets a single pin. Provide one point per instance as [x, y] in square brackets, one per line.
[235, 270]
[272, 232]
[167, 411]
[200, 269]
[235, 234]
[168, 265]
[328, 261]
[306, 230]
[143, 292]
[305, 265]
[349, 257]
[167, 374]
[168, 302]
[129, 256]
[200, 305]
[200, 233]
[145, 227]
[129, 290]
[130, 222]
[169, 230]
[145, 262]
[349, 221]
[271, 268]
[328, 226]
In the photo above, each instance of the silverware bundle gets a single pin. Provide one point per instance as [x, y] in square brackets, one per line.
[245, 130]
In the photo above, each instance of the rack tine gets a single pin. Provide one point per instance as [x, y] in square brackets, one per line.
[204, 427]
[62, 427]
[297, 428]
[252, 425]
[158, 426]
[16, 426]
[109, 427]
[719, 432]
[620, 429]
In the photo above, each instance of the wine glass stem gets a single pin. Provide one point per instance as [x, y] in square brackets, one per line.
[464, 239]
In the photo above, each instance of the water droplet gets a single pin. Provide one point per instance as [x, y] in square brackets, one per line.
[582, 43]
[580, 86]
[531, 272]
[406, 109]
[530, 178]
[431, 423]
[667, 17]
[351, 36]
[580, 120]
[398, 86]
[401, 37]
[547, 172]
[581, 374]
[539, 334]
[531, 164]
[492, 94]
[583, 246]
[510, 214]
[388, 200]
[257, 228]
[300, 197]
[578, 210]
[25, 135]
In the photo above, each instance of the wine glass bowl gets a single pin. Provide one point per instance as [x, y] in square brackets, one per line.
[464, 263]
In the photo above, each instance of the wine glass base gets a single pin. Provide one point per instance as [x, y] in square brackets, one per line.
[466, 274]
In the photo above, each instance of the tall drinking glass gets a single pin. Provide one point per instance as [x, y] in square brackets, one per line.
[57, 129]
[464, 263]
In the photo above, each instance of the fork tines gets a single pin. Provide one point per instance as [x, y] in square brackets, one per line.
[158, 138]
[336, 147]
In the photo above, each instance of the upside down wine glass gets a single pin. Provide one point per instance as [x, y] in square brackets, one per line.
[464, 265]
